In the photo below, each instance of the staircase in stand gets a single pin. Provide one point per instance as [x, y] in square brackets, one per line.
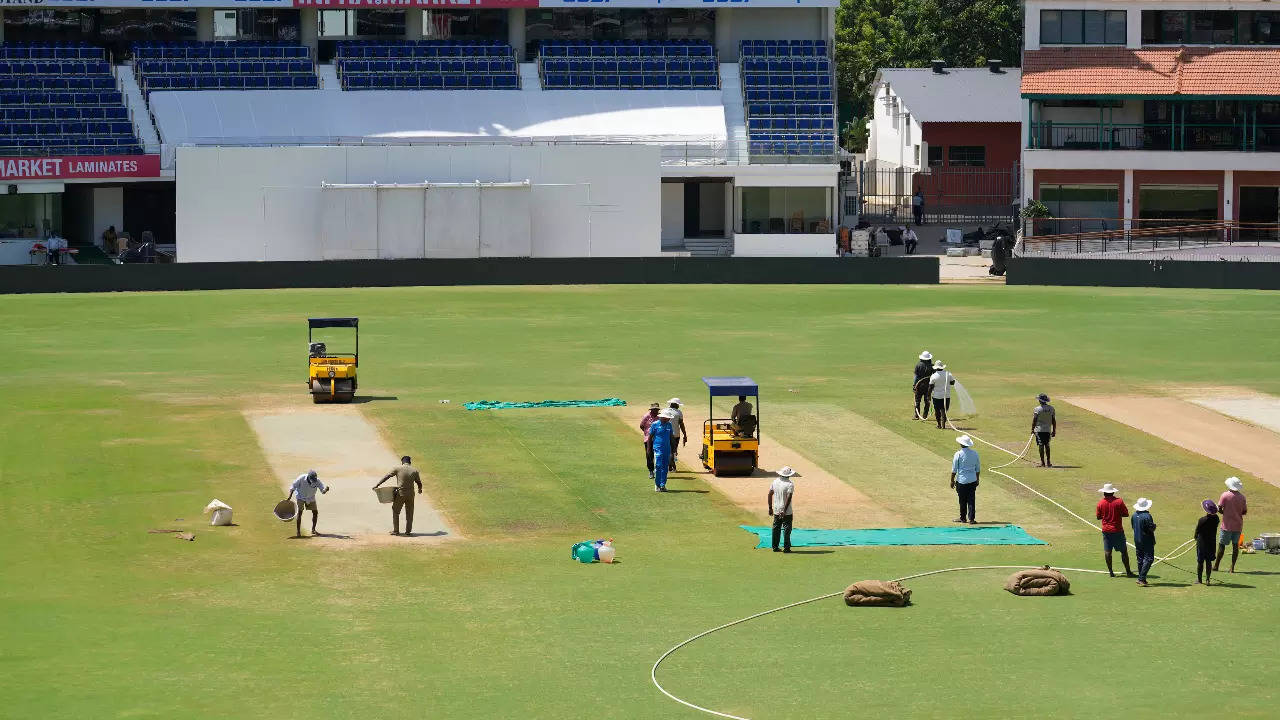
[712, 247]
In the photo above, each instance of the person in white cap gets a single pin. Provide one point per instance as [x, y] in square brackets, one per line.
[1232, 508]
[920, 385]
[1144, 538]
[965, 471]
[660, 440]
[305, 487]
[781, 491]
[940, 383]
[678, 433]
[1112, 511]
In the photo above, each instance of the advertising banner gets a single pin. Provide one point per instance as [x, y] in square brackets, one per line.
[79, 167]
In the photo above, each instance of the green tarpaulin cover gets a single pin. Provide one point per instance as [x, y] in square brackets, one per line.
[500, 405]
[959, 535]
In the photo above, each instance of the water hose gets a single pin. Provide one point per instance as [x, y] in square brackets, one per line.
[653, 672]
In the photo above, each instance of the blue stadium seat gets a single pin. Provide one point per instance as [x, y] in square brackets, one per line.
[628, 65]
[788, 92]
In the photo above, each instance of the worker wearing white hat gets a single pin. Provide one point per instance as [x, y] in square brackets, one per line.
[1232, 508]
[660, 438]
[781, 491]
[920, 384]
[1111, 512]
[940, 383]
[678, 433]
[966, 468]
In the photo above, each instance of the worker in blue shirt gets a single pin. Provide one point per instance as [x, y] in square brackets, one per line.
[660, 441]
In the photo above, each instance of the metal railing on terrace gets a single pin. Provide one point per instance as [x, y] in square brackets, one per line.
[1152, 239]
[673, 154]
[1242, 137]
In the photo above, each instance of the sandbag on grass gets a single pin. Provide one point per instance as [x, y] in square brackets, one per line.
[1042, 581]
[877, 593]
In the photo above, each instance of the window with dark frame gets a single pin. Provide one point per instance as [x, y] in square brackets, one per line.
[1083, 27]
[967, 156]
[1210, 27]
[935, 156]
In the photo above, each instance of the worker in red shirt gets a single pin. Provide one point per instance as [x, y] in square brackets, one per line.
[1112, 511]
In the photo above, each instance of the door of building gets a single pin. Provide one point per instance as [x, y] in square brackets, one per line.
[1260, 206]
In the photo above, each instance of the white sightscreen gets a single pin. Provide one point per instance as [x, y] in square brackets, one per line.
[349, 224]
[453, 222]
[400, 223]
[504, 222]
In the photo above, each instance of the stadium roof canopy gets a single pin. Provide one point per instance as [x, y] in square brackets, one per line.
[258, 117]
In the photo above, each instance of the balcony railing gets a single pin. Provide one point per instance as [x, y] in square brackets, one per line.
[1154, 136]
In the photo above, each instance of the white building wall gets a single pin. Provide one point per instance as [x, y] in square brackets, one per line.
[894, 133]
[268, 203]
[755, 23]
[672, 211]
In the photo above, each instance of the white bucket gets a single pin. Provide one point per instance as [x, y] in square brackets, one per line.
[221, 516]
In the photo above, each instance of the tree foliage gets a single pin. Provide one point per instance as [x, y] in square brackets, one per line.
[871, 34]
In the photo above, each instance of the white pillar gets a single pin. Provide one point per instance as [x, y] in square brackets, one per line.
[1229, 195]
[309, 27]
[515, 32]
[1127, 209]
[1030, 28]
[726, 50]
[1133, 36]
[412, 23]
[204, 24]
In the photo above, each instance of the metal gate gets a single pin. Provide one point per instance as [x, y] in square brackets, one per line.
[953, 195]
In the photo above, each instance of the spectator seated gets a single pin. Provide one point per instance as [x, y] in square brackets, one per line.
[789, 96]
[61, 99]
[628, 66]
[427, 65]
[224, 66]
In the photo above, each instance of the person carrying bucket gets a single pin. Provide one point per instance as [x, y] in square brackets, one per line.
[406, 476]
[660, 438]
[305, 487]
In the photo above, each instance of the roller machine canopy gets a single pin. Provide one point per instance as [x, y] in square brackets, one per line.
[350, 322]
[732, 386]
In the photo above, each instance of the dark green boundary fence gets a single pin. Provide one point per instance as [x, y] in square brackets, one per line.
[1217, 274]
[486, 271]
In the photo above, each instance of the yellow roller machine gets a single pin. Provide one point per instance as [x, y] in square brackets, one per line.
[331, 376]
[731, 445]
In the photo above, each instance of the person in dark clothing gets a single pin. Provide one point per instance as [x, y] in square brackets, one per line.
[917, 206]
[920, 385]
[1206, 536]
[1144, 538]
[999, 251]
[1044, 426]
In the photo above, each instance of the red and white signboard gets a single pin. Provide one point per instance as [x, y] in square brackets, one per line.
[79, 167]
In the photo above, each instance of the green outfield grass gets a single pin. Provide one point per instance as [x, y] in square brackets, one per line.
[123, 413]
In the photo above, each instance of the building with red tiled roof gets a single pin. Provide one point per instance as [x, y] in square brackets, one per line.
[1137, 112]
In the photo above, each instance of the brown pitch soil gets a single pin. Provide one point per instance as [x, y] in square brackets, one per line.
[349, 455]
[822, 499]
[1198, 429]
